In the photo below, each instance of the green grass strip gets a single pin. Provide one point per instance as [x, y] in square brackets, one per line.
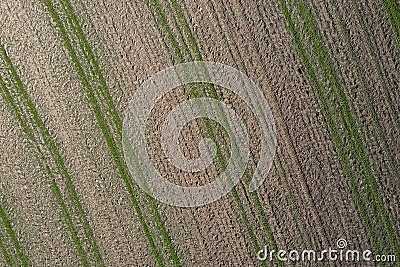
[393, 9]
[53, 149]
[24, 261]
[28, 130]
[328, 116]
[91, 58]
[347, 121]
[119, 162]
[7, 258]
[103, 125]
[93, 63]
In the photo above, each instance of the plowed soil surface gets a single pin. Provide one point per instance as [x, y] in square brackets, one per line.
[330, 71]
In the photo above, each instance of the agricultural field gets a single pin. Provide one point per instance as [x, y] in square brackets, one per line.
[75, 191]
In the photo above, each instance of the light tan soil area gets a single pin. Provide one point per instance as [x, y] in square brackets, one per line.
[307, 201]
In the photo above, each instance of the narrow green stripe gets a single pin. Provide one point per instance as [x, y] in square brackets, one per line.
[392, 8]
[192, 41]
[117, 121]
[7, 258]
[92, 59]
[24, 261]
[328, 116]
[381, 132]
[349, 122]
[109, 139]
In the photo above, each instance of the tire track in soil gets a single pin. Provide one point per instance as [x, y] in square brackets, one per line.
[102, 123]
[91, 60]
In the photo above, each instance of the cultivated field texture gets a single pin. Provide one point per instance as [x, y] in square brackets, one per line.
[330, 71]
